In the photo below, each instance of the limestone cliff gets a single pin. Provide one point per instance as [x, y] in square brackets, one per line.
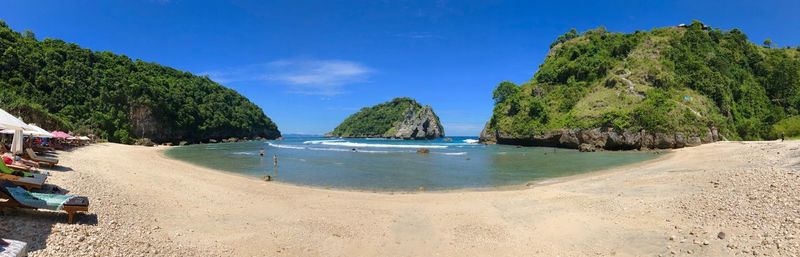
[419, 124]
[590, 140]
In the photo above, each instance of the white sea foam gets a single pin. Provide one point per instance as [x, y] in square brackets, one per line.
[357, 145]
[244, 153]
[287, 146]
[458, 153]
[470, 141]
[316, 142]
[329, 149]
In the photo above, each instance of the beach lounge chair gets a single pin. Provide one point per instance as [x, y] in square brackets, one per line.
[22, 178]
[41, 159]
[12, 196]
[43, 149]
[20, 167]
[13, 248]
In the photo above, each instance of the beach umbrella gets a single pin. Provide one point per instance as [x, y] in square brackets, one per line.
[12, 131]
[84, 138]
[39, 132]
[60, 134]
[8, 121]
[16, 143]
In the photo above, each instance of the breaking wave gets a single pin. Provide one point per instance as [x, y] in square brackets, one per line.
[358, 145]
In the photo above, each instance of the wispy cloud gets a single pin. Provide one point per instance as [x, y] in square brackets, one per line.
[302, 76]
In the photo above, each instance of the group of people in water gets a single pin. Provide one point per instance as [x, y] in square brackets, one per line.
[262, 152]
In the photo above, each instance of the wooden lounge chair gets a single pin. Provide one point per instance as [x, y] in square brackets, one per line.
[21, 178]
[41, 159]
[20, 167]
[29, 183]
[12, 196]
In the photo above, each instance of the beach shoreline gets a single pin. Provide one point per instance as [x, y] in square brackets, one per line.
[144, 203]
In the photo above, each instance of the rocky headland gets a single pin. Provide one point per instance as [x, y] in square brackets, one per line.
[666, 88]
[401, 118]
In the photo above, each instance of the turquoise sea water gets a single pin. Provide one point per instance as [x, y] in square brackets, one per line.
[394, 165]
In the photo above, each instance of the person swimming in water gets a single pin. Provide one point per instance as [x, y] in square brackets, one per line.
[261, 152]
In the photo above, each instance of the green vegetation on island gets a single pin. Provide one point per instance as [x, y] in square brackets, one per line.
[683, 79]
[63, 86]
[401, 117]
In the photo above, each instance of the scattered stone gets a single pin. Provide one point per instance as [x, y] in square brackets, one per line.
[144, 142]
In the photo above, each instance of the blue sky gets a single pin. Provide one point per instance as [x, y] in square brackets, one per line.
[309, 64]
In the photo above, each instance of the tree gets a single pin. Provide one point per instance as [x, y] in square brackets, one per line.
[29, 34]
[768, 43]
[504, 90]
[572, 33]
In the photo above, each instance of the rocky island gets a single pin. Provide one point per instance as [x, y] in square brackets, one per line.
[401, 118]
[667, 88]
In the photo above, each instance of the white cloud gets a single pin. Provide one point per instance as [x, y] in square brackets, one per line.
[302, 76]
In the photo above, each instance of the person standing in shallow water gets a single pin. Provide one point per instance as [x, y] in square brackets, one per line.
[275, 160]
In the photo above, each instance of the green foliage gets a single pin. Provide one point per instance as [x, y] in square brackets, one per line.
[118, 98]
[753, 87]
[790, 127]
[586, 59]
[378, 120]
[654, 112]
[572, 33]
[504, 91]
[667, 80]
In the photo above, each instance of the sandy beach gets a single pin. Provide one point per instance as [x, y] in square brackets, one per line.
[721, 199]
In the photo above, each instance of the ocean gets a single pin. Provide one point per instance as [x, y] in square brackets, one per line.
[394, 165]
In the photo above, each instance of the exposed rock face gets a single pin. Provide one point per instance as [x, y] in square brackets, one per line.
[589, 140]
[422, 124]
[488, 136]
[146, 124]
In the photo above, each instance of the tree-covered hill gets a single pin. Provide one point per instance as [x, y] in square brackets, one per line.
[401, 117]
[64, 86]
[678, 82]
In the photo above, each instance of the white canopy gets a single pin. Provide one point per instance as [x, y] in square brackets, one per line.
[39, 132]
[12, 131]
[84, 138]
[8, 121]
